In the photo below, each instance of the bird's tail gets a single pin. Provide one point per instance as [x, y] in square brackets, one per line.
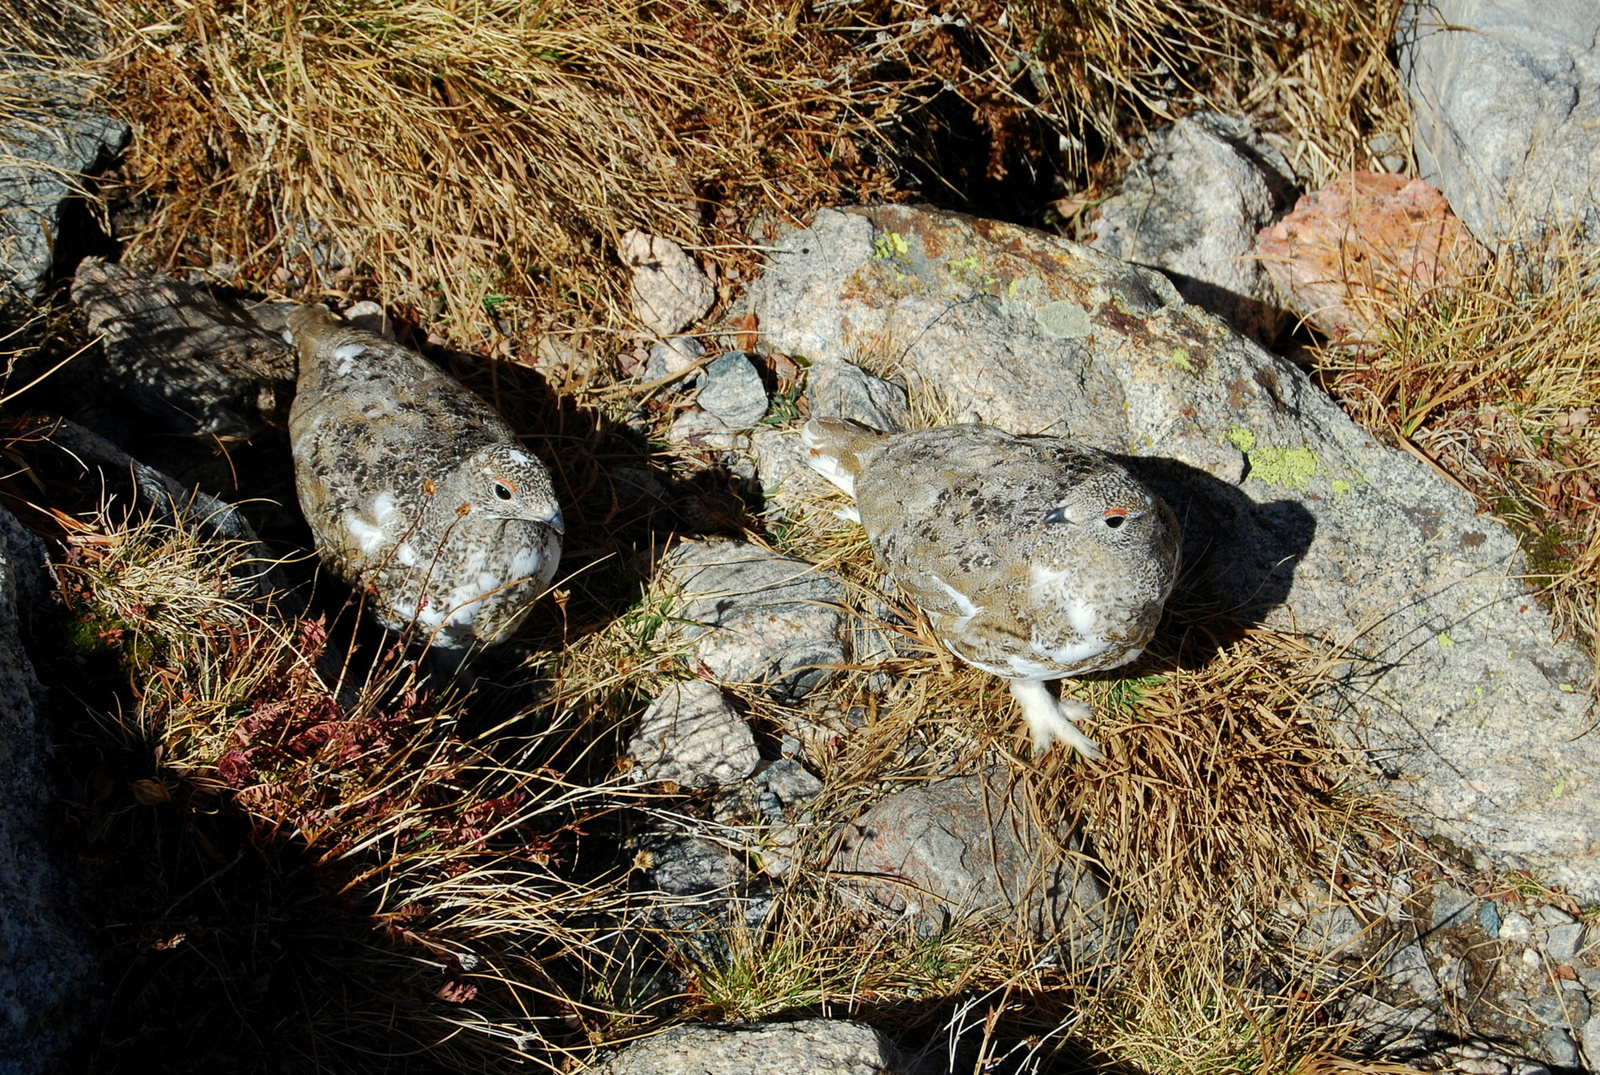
[836, 446]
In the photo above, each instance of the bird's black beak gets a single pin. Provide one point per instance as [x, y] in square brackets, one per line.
[1059, 515]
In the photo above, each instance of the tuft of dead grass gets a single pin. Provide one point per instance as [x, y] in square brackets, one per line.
[1494, 380]
[469, 155]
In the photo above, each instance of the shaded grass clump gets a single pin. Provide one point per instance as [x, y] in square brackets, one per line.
[284, 868]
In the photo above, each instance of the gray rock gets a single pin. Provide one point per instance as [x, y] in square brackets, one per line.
[670, 293]
[1382, 1027]
[1191, 207]
[671, 357]
[1504, 109]
[973, 846]
[753, 616]
[1489, 919]
[1559, 1049]
[1330, 930]
[1408, 968]
[1558, 1009]
[1591, 1042]
[733, 391]
[1561, 942]
[1451, 908]
[47, 147]
[702, 890]
[196, 365]
[1293, 516]
[790, 782]
[49, 969]
[692, 735]
[838, 389]
[807, 1047]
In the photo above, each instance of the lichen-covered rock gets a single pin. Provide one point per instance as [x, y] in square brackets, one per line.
[1292, 515]
[973, 846]
[807, 1047]
[1191, 207]
[751, 615]
[1504, 110]
[48, 971]
[692, 735]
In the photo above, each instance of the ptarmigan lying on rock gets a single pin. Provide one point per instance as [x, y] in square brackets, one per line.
[1034, 558]
[415, 489]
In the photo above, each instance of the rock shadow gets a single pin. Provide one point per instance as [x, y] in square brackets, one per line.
[1239, 556]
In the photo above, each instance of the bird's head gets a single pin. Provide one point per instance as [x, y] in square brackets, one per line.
[506, 482]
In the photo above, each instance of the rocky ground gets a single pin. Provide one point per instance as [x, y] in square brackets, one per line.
[1360, 749]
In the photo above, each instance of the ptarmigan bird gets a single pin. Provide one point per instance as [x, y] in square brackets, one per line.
[1034, 558]
[415, 489]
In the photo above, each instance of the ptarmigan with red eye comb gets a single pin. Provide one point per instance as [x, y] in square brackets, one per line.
[1034, 558]
[415, 489]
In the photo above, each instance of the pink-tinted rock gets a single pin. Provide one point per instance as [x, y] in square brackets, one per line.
[1366, 245]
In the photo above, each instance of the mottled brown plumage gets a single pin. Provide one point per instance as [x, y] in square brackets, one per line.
[415, 489]
[1034, 558]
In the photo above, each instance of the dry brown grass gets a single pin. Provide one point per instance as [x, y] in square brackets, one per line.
[468, 155]
[1495, 380]
[358, 866]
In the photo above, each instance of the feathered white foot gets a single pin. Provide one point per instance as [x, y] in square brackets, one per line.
[819, 455]
[1053, 720]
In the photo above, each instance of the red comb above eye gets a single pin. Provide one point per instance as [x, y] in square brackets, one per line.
[1116, 511]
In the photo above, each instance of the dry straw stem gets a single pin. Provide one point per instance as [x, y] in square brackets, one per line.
[1496, 380]
[462, 151]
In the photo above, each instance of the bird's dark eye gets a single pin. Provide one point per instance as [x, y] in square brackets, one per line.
[1115, 518]
[504, 490]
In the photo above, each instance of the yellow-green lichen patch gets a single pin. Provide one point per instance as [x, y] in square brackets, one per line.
[959, 267]
[1241, 438]
[1180, 358]
[1340, 486]
[1445, 641]
[1063, 319]
[890, 244]
[1292, 468]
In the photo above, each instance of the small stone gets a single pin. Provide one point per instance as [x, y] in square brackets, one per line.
[751, 615]
[1559, 1049]
[733, 391]
[1451, 907]
[1591, 1042]
[802, 1048]
[1553, 916]
[1489, 919]
[674, 356]
[1562, 942]
[1408, 968]
[1516, 926]
[1558, 1010]
[970, 845]
[837, 389]
[790, 782]
[692, 735]
[700, 429]
[370, 316]
[670, 293]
